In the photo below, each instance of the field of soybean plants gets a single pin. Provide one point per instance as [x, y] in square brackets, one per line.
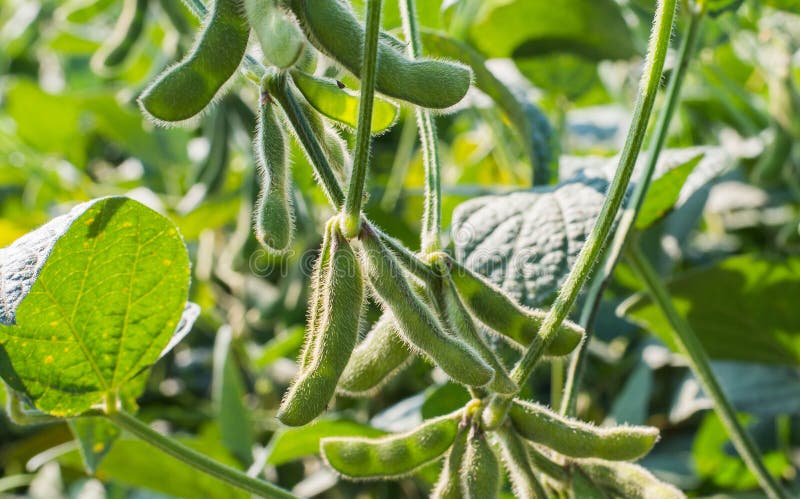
[382, 249]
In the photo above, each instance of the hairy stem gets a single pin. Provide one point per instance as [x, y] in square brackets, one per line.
[691, 347]
[432, 215]
[369, 67]
[197, 460]
[656, 54]
[630, 213]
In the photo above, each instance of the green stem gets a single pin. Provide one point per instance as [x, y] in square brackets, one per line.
[630, 213]
[197, 460]
[691, 347]
[369, 67]
[402, 158]
[432, 215]
[656, 54]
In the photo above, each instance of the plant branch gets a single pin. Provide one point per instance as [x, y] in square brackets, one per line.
[369, 69]
[432, 215]
[656, 54]
[197, 460]
[691, 347]
[628, 218]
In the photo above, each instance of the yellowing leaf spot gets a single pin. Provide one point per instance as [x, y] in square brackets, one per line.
[85, 245]
[54, 324]
[90, 221]
[171, 232]
[24, 344]
[53, 338]
[167, 262]
[170, 324]
[66, 349]
[127, 224]
[98, 447]
[49, 359]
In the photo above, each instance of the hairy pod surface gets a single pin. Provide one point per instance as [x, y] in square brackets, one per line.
[448, 485]
[480, 469]
[274, 219]
[126, 33]
[380, 356]
[574, 438]
[391, 456]
[280, 38]
[463, 326]
[332, 27]
[627, 480]
[185, 89]
[494, 308]
[517, 461]
[335, 337]
[318, 285]
[418, 327]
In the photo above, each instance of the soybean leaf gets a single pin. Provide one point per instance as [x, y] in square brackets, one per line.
[88, 301]
[227, 389]
[593, 29]
[743, 308]
[341, 104]
[95, 436]
[662, 195]
[717, 7]
[526, 241]
[293, 443]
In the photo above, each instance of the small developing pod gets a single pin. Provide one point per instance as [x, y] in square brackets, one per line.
[315, 306]
[274, 218]
[480, 469]
[418, 327]
[380, 356]
[493, 307]
[114, 51]
[185, 89]
[332, 27]
[518, 464]
[448, 486]
[626, 480]
[280, 38]
[393, 455]
[573, 438]
[339, 314]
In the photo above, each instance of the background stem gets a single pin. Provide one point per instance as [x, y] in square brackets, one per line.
[691, 347]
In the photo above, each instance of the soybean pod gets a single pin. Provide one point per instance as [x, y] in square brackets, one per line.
[185, 89]
[274, 219]
[448, 485]
[418, 327]
[332, 27]
[493, 307]
[337, 332]
[480, 469]
[524, 482]
[391, 456]
[376, 361]
[574, 438]
[626, 480]
[280, 38]
[127, 31]
[321, 272]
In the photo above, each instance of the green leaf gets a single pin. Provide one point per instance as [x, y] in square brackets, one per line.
[341, 104]
[95, 436]
[89, 301]
[227, 389]
[717, 7]
[293, 443]
[744, 308]
[663, 193]
[284, 345]
[593, 29]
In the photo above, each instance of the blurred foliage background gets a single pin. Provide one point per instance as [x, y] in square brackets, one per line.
[731, 246]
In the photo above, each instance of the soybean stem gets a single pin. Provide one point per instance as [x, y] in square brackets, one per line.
[432, 215]
[691, 347]
[197, 460]
[628, 218]
[369, 66]
[656, 54]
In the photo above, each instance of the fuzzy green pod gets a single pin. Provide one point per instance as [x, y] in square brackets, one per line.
[575, 438]
[494, 308]
[280, 38]
[126, 32]
[376, 360]
[517, 461]
[418, 327]
[274, 218]
[321, 272]
[337, 322]
[448, 486]
[480, 469]
[185, 89]
[332, 27]
[391, 456]
[627, 480]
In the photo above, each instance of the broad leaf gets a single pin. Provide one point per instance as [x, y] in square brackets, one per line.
[95, 436]
[744, 308]
[663, 193]
[95, 297]
[593, 29]
[293, 443]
